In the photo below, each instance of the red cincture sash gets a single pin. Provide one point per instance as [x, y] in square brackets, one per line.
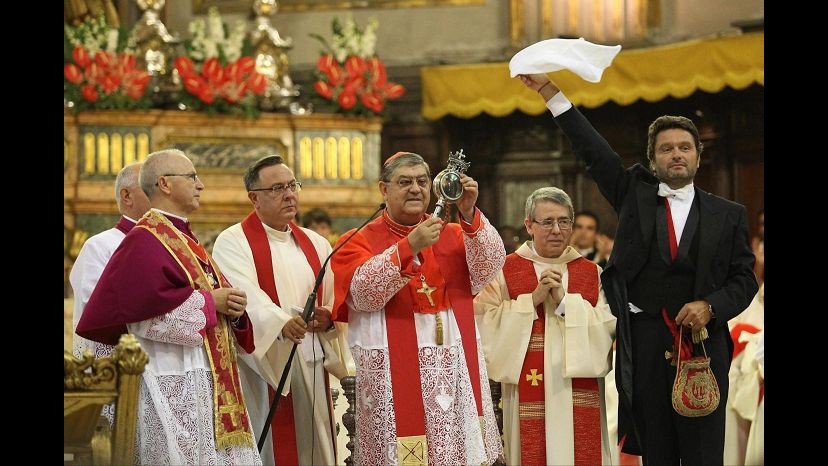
[231, 425]
[283, 426]
[520, 276]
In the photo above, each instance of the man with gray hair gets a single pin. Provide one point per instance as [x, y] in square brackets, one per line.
[162, 286]
[96, 251]
[405, 284]
[547, 334]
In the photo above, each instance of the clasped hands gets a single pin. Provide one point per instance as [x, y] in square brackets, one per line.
[296, 328]
[549, 284]
[230, 301]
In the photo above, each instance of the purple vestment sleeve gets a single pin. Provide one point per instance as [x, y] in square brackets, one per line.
[142, 280]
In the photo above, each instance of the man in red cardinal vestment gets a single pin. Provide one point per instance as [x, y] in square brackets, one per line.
[405, 285]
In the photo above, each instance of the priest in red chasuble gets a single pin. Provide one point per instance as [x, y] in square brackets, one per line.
[405, 284]
[547, 334]
[162, 286]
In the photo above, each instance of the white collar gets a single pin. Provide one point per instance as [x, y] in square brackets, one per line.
[184, 219]
[681, 194]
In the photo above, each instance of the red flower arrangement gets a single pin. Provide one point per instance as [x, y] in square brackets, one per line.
[221, 89]
[358, 83]
[349, 73]
[107, 81]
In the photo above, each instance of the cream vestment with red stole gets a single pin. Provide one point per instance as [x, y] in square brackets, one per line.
[550, 360]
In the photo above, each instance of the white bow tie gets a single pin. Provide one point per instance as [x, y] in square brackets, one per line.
[681, 194]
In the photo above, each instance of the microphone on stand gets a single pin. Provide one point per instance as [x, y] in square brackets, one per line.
[307, 315]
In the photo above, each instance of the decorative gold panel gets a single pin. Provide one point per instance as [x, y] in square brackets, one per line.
[336, 158]
[331, 158]
[601, 21]
[244, 6]
[116, 157]
[143, 147]
[215, 154]
[103, 153]
[344, 158]
[318, 158]
[107, 149]
[88, 154]
[88, 385]
[356, 160]
[305, 158]
[129, 149]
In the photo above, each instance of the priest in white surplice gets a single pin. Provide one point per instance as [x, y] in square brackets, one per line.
[96, 251]
[547, 334]
[275, 261]
[745, 392]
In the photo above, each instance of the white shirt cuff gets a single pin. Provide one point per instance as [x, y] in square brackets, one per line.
[561, 309]
[558, 104]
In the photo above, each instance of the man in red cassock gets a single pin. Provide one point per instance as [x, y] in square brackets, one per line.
[405, 284]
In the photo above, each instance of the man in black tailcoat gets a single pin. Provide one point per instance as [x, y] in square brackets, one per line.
[681, 258]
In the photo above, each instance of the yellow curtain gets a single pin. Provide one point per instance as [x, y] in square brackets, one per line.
[651, 74]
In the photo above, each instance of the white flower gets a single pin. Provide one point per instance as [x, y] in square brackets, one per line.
[369, 39]
[210, 49]
[208, 38]
[93, 34]
[215, 29]
[352, 44]
[112, 40]
[196, 27]
[91, 45]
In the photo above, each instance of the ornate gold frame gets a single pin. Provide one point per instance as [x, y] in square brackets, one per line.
[244, 6]
[88, 385]
[651, 10]
[177, 138]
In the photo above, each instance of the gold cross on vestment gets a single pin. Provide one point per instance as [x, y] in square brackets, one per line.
[427, 290]
[230, 407]
[534, 377]
[414, 453]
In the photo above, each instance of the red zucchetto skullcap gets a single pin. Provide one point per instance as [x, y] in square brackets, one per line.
[389, 159]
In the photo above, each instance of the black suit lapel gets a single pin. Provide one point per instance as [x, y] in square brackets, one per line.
[646, 195]
[710, 228]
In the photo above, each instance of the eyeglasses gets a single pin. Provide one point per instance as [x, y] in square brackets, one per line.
[548, 224]
[192, 176]
[279, 189]
[406, 183]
